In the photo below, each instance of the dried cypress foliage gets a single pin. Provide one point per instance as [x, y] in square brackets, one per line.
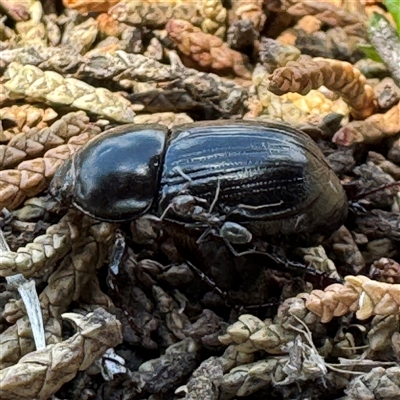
[206, 51]
[341, 77]
[41, 373]
[318, 322]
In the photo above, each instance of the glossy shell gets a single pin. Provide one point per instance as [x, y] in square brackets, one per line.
[115, 176]
[272, 179]
[277, 173]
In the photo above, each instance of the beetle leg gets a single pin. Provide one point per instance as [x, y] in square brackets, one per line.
[204, 235]
[243, 253]
[182, 174]
[260, 207]
[117, 253]
[214, 202]
[235, 233]
[208, 280]
[169, 207]
[278, 259]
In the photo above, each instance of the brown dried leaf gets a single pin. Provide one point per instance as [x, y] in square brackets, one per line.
[386, 166]
[379, 224]
[347, 250]
[382, 329]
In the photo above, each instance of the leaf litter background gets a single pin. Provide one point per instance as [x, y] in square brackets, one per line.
[159, 329]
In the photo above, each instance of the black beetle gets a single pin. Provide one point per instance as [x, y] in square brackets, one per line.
[238, 179]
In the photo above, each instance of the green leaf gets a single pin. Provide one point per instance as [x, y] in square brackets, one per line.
[394, 8]
[370, 52]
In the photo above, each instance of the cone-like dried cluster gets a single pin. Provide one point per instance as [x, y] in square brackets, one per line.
[206, 51]
[45, 249]
[316, 257]
[41, 373]
[25, 117]
[373, 130]
[90, 246]
[327, 12]
[250, 334]
[182, 89]
[32, 176]
[87, 6]
[35, 142]
[294, 108]
[156, 13]
[378, 383]
[385, 270]
[30, 81]
[168, 119]
[359, 294]
[338, 76]
[215, 17]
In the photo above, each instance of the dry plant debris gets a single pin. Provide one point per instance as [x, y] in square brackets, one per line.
[86, 6]
[155, 13]
[32, 176]
[230, 327]
[359, 294]
[206, 51]
[48, 86]
[35, 142]
[371, 130]
[66, 284]
[46, 249]
[41, 373]
[339, 76]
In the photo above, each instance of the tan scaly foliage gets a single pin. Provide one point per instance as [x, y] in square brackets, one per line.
[339, 76]
[359, 294]
[206, 51]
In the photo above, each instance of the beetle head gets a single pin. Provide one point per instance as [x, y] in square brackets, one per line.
[62, 186]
